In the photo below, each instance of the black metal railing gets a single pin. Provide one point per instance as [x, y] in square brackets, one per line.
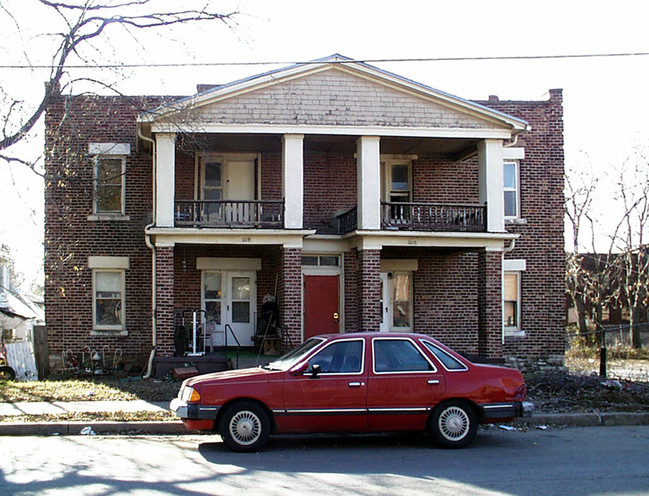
[265, 214]
[433, 217]
[347, 221]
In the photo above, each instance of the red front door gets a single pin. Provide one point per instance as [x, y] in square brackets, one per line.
[321, 305]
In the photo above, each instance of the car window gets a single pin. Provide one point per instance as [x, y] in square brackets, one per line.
[294, 356]
[449, 362]
[342, 357]
[398, 355]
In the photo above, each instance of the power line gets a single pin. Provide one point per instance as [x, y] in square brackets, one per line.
[341, 62]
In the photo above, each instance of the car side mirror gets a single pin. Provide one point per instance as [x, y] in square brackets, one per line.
[300, 368]
[315, 370]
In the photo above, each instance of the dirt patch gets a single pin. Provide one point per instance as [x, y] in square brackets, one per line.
[562, 392]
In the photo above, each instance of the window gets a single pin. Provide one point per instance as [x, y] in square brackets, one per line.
[398, 355]
[448, 361]
[512, 302]
[108, 305]
[511, 186]
[342, 357]
[109, 185]
[321, 261]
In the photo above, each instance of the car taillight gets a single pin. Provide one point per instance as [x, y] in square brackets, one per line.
[190, 395]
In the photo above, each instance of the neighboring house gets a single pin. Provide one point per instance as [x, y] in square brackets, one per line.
[19, 311]
[362, 200]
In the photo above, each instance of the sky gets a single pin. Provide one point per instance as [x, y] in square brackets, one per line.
[605, 99]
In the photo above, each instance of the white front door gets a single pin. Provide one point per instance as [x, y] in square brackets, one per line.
[229, 299]
[396, 301]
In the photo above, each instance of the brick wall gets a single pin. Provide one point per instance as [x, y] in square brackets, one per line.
[70, 238]
[541, 241]
[369, 290]
[329, 187]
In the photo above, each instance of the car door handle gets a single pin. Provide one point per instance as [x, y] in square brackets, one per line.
[356, 384]
[433, 381]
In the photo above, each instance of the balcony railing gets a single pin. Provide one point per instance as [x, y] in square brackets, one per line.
[264, 214]
[433, 217]
[347, 221]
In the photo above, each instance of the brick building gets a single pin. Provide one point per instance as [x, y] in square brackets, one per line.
[360, 199]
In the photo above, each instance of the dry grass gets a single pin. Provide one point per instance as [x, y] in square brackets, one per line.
[90, 389]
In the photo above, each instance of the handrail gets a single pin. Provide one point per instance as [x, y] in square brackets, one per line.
[228, 327]
[229, 213]
[433, 216]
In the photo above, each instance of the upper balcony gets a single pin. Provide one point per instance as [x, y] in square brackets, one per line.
[432, 217]
[251, 214]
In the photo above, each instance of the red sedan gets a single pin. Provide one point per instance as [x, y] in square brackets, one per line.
[369, 382]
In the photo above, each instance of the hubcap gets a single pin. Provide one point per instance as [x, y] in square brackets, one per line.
[245, 427]
[454, 423]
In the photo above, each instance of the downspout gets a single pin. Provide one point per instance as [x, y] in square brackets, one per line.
[147, 240]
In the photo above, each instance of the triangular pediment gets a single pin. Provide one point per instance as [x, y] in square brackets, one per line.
[330, 95]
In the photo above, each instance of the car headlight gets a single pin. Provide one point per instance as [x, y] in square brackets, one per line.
[189, 395]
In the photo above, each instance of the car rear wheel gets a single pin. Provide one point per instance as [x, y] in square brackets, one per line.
[7, 373]
[453, 424]
[244, 426]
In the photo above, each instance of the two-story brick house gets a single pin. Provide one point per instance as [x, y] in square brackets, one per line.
[360, 199]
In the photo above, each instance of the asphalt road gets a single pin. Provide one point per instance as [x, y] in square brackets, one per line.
[575, 461]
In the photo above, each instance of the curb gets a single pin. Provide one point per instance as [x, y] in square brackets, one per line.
[176, 427]
[587, 419]
[99, 427]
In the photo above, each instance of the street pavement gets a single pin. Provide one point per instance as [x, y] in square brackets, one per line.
[575, 461]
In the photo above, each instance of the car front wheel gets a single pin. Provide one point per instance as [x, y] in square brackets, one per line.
[453, 424]
[244, 426]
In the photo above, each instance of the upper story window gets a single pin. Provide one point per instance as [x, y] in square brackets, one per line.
[109, 184]
[511, 189]
[397, 180]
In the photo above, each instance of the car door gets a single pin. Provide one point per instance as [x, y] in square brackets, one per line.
[331, 399]
[402, 386]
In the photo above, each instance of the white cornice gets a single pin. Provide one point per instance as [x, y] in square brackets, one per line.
[172, 236]
[383, 131]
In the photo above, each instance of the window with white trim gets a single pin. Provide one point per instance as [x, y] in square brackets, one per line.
[108, 299]
[512, 302]
[109, 174]
[511, 186]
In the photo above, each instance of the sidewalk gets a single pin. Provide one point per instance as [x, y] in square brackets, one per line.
[176, 427]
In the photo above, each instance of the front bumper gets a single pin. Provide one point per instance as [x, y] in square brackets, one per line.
[187, 411]
[492, 411]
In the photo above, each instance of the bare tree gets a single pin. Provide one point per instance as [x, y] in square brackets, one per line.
[84, 22]
[629, 238]
[580, 190]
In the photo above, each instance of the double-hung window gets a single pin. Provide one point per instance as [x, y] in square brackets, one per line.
[513, 270]
[108, 295]
[109, 185]
[511, 189]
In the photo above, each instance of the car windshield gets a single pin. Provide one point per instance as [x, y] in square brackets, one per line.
[285, 362]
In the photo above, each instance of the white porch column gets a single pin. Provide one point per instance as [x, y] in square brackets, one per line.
[292, 180]
[490, 159]
[165, 178]
[369, 182]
